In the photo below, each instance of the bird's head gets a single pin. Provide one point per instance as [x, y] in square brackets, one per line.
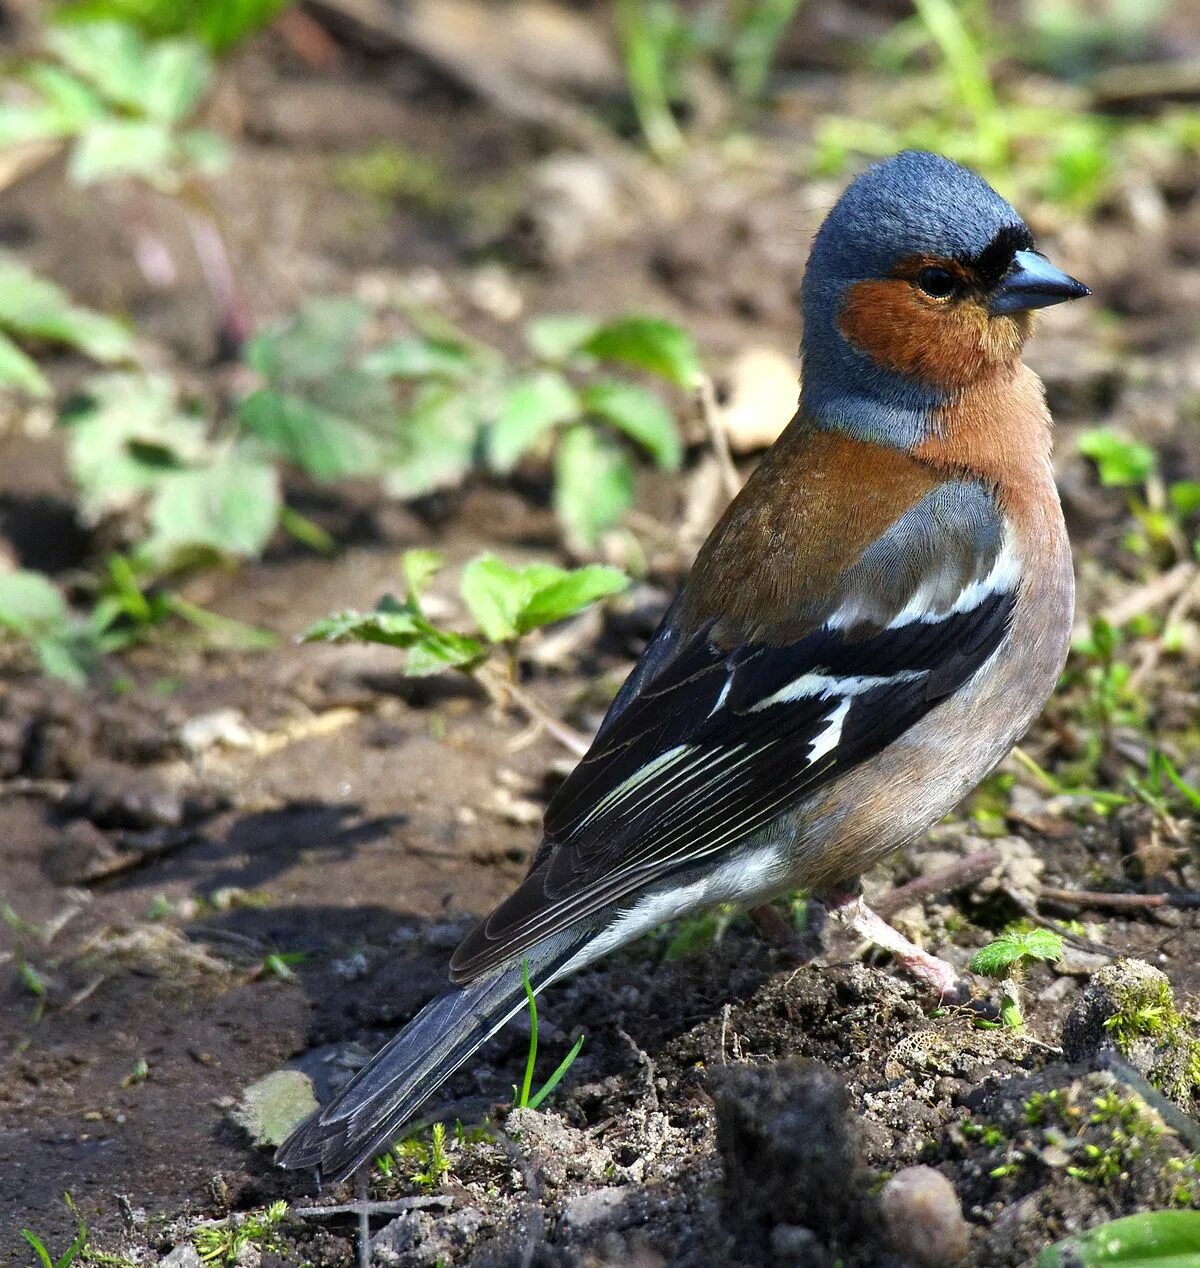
[921, 280]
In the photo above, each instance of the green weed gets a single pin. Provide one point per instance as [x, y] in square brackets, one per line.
[223, 1243]
[506, 603]
[525, 1097]
[69, 1256]
[1006, 959]
[220, 24]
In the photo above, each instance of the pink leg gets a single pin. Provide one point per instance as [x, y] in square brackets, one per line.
[852, 912]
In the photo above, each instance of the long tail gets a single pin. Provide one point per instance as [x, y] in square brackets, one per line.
[366, 1116]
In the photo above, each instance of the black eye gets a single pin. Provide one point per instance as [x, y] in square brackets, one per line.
[937, 282]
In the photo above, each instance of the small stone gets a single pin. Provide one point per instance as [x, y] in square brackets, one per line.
[183, 1256]
[591, 1210]
[794, 1244]
[271, 1108]
[924, 1218]
[757, 394]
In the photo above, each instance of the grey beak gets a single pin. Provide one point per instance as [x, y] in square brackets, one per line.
[1033, 282]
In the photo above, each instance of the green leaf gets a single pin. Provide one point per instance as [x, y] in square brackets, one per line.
[641, 416]
[124, 436]
[34, 307]
[1185, 496]
[648, 343]
[110, 148]
[175, 76]
[30, 604]
[108, 55]
[17, 370]
[421, 358]
[532, 406]
[440, 650]
[420, 568]
[68, 105]
[1151, 1239]
[318, 341]
[495, 595]
[555, 337]
[1120, 462]
[593, 485]
[328, 444]
[1013, 948]
[230, 505]
[569, 593]
[437, 442]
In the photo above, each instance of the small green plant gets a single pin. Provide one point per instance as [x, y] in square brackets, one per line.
[432, 1160]
[1146, 1010]
[1005, 961]
[1150, 1239]
[506, 603]
[223, 1243]
[68, 1257]
[120, 102]
[525, 1097]
[1164, 514]
[421, 412]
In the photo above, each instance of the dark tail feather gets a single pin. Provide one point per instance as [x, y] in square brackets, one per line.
[366, 1116]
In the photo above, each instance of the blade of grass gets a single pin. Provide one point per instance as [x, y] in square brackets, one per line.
[553, 1081]
[527, 1082]
[645, 72]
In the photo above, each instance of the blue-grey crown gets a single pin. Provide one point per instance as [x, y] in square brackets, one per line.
[911, 204]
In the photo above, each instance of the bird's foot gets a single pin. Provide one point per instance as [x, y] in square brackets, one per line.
[852, 913]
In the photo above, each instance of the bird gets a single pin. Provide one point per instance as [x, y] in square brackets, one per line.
[876, 619]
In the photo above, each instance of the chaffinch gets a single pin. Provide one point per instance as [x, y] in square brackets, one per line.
[876, 619]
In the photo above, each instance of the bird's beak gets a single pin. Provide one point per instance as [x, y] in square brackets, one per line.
[1033, 282]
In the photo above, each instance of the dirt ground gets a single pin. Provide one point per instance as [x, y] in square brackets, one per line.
[194, 812]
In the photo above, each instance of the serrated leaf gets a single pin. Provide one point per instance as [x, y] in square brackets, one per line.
[641, 416]
[20, 371]
[326, 444]
[420, 358]
[442, 650]
[1150, 1239]
[648, 343]
[569, 594]
[1010, 949]
[532, 406]
[30, 603]
[555, 337]
[109, 148]
[230, 505]
[494, 594]
[593, 485]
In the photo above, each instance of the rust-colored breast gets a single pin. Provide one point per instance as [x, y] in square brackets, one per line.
[805, 515]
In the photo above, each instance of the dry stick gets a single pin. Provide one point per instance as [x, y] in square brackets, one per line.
[502, 691]
[442, 1202]
[718, 437]
[966, 871]
[1159, 590]
[1118, 902]
[1175, 614]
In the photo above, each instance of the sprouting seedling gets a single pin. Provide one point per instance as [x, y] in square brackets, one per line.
[506, 602]
[1005, 961]
[68, 1257]
[223, 1243]
[525, 1097]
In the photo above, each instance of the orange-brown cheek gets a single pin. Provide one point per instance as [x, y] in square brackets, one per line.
[944, 345]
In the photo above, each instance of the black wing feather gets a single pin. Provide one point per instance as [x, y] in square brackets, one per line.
[728, 759]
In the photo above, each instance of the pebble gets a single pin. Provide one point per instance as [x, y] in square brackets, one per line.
[924, 1218]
